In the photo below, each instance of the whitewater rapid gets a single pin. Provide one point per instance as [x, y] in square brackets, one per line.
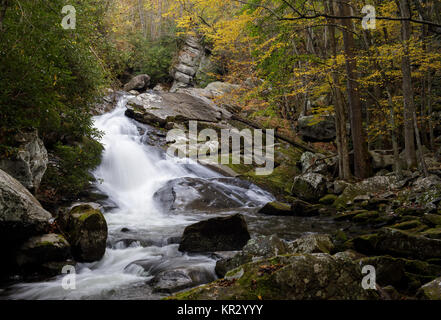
[130, 173]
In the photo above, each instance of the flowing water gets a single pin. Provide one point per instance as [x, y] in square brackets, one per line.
[140, 230]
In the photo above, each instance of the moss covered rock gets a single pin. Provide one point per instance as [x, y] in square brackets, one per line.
[86, 231]
[276, 208]
[38, 252]
[292, 277]
[431, 290]
[309, 186]
[312, 243]
[398, 243]
[256, 248]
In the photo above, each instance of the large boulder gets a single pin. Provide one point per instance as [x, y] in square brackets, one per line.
[398, 243]
[216, 234]
[29, 161]
[312, 243]
[183, 194]
[431, 290]
[314, 128]
[276, 208]
[368, 186]
[309, 186]
[45, 253]
[21, 215]
[256, 248]
[139, 83]
[170, 281]
[86, 231]
[317, 163]
[158, 108]
[288, 277]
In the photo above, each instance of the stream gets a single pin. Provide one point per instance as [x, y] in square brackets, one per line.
[145, 227]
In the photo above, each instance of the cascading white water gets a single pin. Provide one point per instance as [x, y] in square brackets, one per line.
[130, 173]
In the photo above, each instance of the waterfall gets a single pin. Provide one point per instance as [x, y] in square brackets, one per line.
[130, 173]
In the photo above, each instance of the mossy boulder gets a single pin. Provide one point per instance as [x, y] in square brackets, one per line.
[256, 248]
[289, 277]
[366, 217]
[433, 233]
[86, 230]
[40, 252]
[312, 243]
[431, 290]
[401, 272]
[398, 243]
[216, 234]
[368, 186]
[276, 208]
[328, 199]
[309, 186]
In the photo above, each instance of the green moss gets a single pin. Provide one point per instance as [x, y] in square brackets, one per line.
[434, 233]
[366, 217]
[328, 199]
[412, 226]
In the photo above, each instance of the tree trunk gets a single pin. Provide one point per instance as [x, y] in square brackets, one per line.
[361, 165]
[409, 106]
[340, 114]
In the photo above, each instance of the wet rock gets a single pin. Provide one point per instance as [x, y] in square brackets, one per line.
[171, 281]
[21, 215]
[309, 186]
[431, 290]
[158, 108]
[139, 83]
[216, 234]
[29, 161]
[86, 231]
[313, 128]
[276, 209]
[43, 250]
[312, 243]
[398, 243]
[290, 277]
[304, 209]
[256, 248]
[202, 194]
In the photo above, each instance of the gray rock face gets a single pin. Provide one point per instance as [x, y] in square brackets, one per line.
[316, 163]
[139, 83]
[256, 248]
[216, 234]
[312, 243]
[29, 164]
[189, 59]
[431, 290]
[170, 281]
[86, 230]
[158, 108]
[199, 194]
[21, 215]
[309, 186]
[313, 129]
